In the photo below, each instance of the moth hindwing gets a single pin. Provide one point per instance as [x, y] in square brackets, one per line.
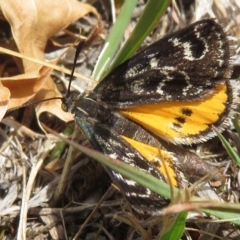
[176, 88]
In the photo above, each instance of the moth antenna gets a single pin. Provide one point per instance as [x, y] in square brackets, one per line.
[78, 50]
[32, 103]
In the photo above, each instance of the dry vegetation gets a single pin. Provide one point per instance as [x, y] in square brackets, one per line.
[32, 159]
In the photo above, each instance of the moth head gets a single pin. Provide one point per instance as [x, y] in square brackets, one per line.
[69, 103]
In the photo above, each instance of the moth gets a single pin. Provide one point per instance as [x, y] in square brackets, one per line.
[174, 91]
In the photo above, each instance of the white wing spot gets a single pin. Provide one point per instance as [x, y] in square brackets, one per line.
[153, 63]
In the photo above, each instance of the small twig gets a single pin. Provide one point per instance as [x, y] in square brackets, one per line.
[23, 214]
[48, 64]
[61, 188]
[71, 210]
[38, 161]
[93, 211]
[21, 128]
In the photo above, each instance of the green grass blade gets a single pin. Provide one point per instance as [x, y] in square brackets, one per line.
[177, 229]
[153, 10]
[236, 124]
[60, 146]
[229, 215]
[114, 39]
[228, 148]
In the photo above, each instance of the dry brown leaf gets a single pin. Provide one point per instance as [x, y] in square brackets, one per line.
[24, 86]
[33, 23]
[4, 99]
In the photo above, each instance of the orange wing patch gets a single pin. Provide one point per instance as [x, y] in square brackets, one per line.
[153, 155]
[184, 122]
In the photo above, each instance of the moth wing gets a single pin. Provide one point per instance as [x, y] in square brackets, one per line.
[113, 145]
[185, 122]
[184, 66]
